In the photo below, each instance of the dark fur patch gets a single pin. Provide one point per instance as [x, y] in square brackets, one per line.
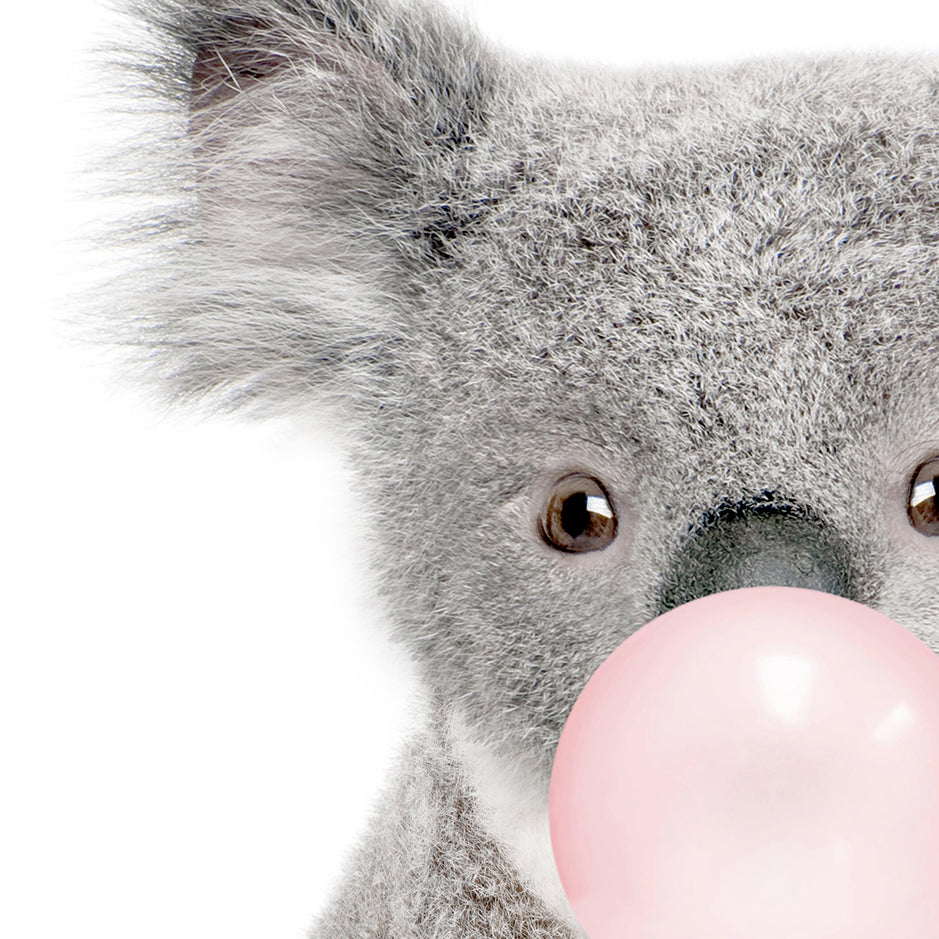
[226, 64]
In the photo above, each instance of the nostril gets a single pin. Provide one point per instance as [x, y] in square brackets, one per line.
[759, 545]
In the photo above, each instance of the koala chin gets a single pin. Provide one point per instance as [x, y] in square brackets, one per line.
[601, 343]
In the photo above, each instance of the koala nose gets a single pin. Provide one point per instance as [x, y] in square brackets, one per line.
[759, 545]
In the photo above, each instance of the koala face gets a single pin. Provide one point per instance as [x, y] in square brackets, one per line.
[603, 343]
[712, 302]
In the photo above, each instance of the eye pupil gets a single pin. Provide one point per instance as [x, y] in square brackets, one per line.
[574, 516]
[578, 516]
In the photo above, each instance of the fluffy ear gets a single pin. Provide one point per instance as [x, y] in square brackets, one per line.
[323, 147]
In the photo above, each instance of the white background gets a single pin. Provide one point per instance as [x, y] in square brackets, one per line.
[196, 702]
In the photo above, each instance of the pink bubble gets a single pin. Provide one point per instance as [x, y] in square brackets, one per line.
[756, 764]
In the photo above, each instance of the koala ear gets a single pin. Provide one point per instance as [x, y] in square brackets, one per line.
[433, 61]
[231, 55]
[323, 143]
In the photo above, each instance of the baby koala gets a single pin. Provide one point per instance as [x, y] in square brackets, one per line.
[603, 343]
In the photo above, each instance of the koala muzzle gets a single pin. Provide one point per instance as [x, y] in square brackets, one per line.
[758, 545]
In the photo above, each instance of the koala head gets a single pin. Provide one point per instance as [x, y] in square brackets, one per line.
[601, 342]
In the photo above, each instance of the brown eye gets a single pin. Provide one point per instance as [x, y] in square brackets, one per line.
[924, 499]
[578, 515]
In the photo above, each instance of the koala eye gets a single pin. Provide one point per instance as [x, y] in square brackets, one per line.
[924, 499]
[578, 516]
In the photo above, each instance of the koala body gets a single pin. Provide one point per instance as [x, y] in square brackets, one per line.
[711, 291]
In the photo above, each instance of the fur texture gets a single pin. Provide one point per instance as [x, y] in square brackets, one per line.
[714, 290]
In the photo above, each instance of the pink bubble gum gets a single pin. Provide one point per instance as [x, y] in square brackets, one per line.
[756, 764]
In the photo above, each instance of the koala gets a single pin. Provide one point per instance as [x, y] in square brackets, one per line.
[600, 343]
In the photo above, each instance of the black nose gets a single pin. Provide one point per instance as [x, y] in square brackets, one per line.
[758, 544]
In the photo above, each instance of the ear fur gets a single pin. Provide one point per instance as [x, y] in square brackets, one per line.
[322, 147]
[434, 60]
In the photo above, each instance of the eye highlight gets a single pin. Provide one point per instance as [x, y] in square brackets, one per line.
[578, 515]
[923, 507]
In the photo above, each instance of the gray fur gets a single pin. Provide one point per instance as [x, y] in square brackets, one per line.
[708, 288]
